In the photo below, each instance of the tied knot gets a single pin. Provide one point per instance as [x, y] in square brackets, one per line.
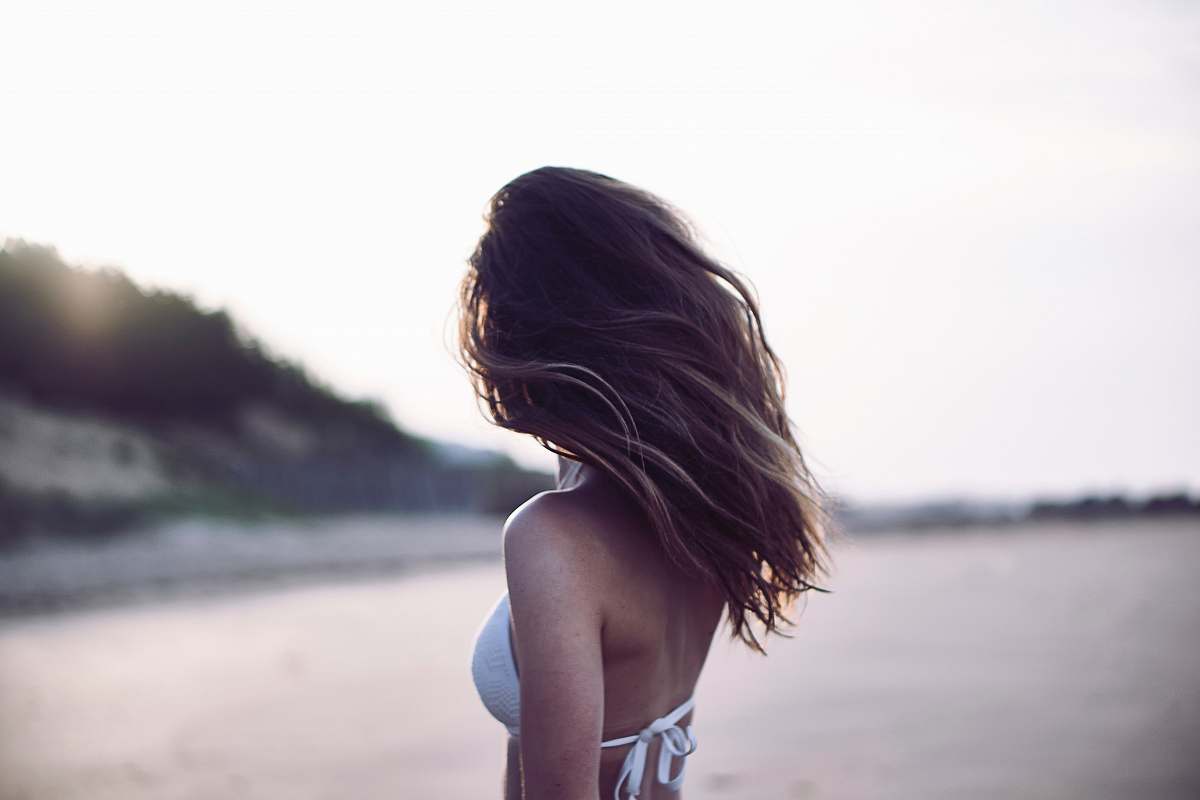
[660, 725]
[676, 742]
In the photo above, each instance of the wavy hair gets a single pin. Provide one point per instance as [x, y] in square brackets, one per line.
[592, 320]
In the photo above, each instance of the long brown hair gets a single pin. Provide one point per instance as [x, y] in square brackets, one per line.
[591, 319]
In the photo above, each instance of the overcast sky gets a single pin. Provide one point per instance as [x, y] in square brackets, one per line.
[974, 227]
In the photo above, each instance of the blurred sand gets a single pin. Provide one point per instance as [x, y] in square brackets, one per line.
[1047, 662]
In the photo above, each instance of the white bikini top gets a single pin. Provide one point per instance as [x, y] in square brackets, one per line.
[495, 672]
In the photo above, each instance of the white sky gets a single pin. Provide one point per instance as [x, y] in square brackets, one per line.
[974, 227]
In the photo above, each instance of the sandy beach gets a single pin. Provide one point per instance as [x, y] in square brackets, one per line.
[1037, 662]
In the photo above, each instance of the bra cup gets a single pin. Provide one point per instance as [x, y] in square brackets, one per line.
[494, 669]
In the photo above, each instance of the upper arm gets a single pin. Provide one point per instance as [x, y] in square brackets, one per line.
[554, 602]
[512, 771]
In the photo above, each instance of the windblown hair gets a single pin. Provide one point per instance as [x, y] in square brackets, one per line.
[591, 319]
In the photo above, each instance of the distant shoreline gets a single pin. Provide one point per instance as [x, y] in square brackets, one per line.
[156, 594]
[196, 557]
[199, 560]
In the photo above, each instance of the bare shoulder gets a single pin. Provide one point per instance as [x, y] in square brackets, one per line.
[560, 532]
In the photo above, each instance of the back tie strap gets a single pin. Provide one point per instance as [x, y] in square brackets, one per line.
[675, 742]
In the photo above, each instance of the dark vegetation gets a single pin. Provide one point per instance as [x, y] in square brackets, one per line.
[1116, 506]
[963, 513]
[93, 342]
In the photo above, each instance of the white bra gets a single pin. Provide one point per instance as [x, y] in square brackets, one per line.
[495, 672]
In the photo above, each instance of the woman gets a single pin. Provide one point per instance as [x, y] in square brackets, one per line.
[592, 321]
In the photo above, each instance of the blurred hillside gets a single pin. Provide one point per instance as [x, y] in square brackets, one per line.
[120, 405]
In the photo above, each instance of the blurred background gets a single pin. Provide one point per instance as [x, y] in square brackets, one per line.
[250, 510]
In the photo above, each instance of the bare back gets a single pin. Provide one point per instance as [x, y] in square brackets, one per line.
[658, 622]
